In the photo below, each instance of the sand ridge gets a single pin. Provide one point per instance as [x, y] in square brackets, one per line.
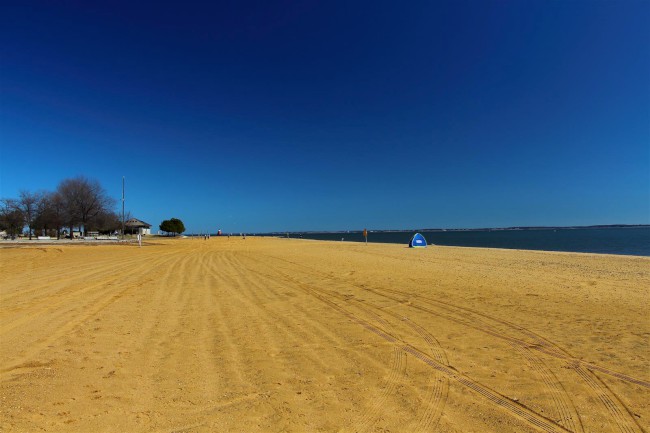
[292, 335]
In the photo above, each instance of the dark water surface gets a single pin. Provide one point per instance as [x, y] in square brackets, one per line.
[631, 241]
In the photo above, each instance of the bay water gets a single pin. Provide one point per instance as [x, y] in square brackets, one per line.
[628, 241]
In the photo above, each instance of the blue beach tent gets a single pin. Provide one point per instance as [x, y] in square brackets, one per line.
[418, 241]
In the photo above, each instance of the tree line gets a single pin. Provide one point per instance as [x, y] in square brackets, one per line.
[77, 202]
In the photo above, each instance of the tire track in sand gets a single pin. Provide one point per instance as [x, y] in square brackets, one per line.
[53, 279]
[257, 293]
[156, 340]
[262, 294]
[612, 404]
[257, 290]
[397, 372]
[79, 313]
[255, 287]
[567, 414]
[515, 409]
[539, 343]
[473, 319]
[562, 403]
[438, 391]
[75, 287]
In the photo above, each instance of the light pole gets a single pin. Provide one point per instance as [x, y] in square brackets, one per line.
[123, 208]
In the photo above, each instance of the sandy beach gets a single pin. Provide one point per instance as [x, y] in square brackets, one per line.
[286, 335]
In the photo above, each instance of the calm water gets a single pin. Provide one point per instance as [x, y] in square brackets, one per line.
[632, 241]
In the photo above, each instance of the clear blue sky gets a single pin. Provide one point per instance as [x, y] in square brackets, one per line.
[323, 115]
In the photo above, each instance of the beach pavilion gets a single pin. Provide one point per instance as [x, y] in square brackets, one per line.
[136, 226]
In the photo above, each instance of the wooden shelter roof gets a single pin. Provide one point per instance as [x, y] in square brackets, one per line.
[136, 223]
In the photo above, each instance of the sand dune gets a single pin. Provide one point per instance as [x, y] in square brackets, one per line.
[270, 335]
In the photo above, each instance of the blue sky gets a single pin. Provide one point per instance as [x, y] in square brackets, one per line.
[323, 115]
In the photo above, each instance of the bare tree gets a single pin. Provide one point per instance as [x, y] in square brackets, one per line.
[51, 213]
[29, 204]
[11, 218]
[83, 200]
[106, 222]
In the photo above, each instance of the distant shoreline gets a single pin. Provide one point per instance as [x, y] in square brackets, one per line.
[484, 229]
[619, 239]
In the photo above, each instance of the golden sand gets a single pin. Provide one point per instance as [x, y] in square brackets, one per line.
[274, 335]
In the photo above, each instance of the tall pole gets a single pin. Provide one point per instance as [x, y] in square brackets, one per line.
[122, 207]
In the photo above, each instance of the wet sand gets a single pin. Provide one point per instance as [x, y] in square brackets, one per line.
[271, 335]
